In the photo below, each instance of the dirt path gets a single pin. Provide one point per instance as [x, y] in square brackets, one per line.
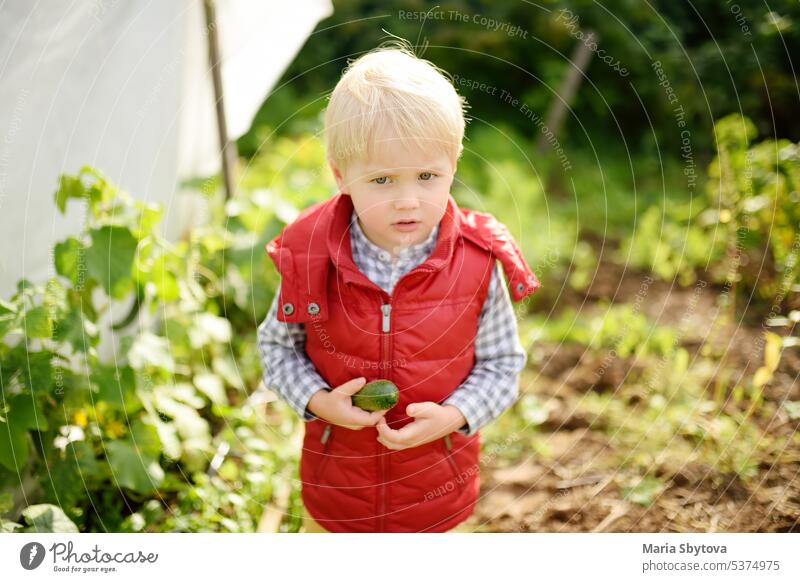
[578, 486]
[577, 490]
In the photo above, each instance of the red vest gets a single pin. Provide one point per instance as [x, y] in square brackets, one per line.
[421, 337]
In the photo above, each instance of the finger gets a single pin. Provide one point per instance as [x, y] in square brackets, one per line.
[351, 386]
[362, 417]
[384, 436]
[399, 438]
[377, 415]
[384, 429]
[420, 409]
[390, 445]
[409, 435]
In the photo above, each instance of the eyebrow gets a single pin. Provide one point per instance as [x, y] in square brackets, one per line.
[383, 171]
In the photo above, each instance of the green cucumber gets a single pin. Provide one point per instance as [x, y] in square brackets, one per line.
[377, 395]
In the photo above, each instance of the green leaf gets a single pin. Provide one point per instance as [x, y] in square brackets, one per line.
[55, 297]
[772, 351]
[116, 386]
[47, 518]
[644, 491]
[25, 413]
[148, 219]
[132, 470]
[6, 308]
[37, 324]
[192, 428]
[734, 131]
[225, 367]
[8, 317]
[76, 330]
[110, 259]
[100, 190]
[762, 376]
[33, 369]
[208, 328]
[680, 364]
[183, 392]
[793, 408]
[13, 446]
[24, 286]
[211, 385]
[68, 187]
[151, 350]
[9, 526]
[69, 259]
[214, 242]
[532, 410]
[146, 437]
[37, 370]
[168, 436]
[164, 280]
[70, 474]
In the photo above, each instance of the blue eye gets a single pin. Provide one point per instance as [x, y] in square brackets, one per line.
[381, 180]
[426, 176]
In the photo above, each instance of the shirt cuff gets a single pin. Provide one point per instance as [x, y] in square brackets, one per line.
[469, 408]
[305, 382]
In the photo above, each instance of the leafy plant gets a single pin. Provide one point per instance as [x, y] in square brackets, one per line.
[754, 192]
[100, 437]
[670, 245]
[621, 328]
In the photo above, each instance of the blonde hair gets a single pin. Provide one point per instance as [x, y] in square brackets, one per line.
[392, 89]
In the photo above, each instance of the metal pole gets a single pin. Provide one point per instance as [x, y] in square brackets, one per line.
[227, 147]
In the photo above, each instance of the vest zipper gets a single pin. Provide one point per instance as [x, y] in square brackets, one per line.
[386, 311]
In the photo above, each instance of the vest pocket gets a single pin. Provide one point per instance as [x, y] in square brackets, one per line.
[448, 451]
[325, 439]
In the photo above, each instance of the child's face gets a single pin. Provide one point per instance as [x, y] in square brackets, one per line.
[397, 184]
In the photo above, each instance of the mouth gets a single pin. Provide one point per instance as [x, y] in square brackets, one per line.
[406, 225]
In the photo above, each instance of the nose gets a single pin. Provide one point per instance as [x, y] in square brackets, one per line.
[406, 199]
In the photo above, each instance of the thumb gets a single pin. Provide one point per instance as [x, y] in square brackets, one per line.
[351, 386]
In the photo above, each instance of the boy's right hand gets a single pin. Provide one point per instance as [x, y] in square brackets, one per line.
[336, 407]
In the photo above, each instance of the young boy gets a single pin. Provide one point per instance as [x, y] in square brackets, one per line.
[390, 279]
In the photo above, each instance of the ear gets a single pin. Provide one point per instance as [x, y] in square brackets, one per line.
[337, 174]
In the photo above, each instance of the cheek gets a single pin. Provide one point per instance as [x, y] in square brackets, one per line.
[372, 213]
[438, 202]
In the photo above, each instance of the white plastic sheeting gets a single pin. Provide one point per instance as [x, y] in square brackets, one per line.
[126, 87]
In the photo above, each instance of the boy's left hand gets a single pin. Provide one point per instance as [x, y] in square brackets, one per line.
[431, 421]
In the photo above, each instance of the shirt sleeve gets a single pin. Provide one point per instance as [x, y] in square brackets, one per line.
[492, 386]
[287, 369]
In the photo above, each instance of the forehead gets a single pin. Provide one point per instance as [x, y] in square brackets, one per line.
[389, 152]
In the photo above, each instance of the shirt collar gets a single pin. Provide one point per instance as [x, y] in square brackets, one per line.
[422, 249]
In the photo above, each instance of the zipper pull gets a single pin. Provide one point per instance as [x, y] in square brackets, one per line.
[325, 434]
[447, 442]
[386, 309]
